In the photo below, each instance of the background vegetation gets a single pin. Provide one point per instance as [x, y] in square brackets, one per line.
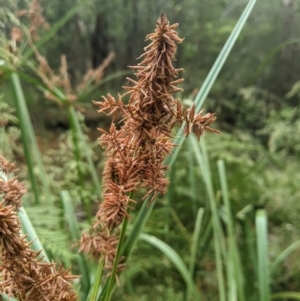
[222, 224]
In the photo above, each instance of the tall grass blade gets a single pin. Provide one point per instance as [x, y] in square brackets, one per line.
[21, 107]
[111, 281]
[95, 292]
[286, 295]
[282, 256]
[31, 149]
[236, 279]
[175, 259]
[192, 179]
[195, 243]
[170, 196]
[213, 73]
[71, 220]
[29, 230]
[262, 255]
[218, 235]
[139, 224]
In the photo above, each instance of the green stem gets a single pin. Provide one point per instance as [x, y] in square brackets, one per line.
[109, 290]
[28, 138]
[71, 220]
[28, 228]
[25, 135]
[96, 284]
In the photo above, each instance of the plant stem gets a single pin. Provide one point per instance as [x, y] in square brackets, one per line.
[118, 254]
[96, 284]
[25, 136]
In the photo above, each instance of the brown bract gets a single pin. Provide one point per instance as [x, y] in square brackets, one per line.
[136, 152]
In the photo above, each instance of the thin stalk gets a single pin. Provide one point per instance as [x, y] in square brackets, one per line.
[217, 231]
[20, 106]
[96, 284]
[262, 255]
[192, 179]
[195, 240]
[71, 220]
[29, 141]
[218, 235]
[284, 254]
[170, 195]
[194, 247]
[173, 256]
[28, 228]
[139, 224]
[184, 232]
[108, 290]
[234, 259]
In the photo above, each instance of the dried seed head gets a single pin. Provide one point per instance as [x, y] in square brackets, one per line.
[136, 152]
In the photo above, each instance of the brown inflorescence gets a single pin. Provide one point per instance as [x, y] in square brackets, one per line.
[36, 18]
[23, 272]
[136, 152]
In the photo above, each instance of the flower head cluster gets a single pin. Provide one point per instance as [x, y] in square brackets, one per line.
[136, 152]
[23, 273]
[36, 18]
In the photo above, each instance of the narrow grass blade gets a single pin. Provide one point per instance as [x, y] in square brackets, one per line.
[96, 285]
[218, 235]
[194, 247]
[234, 261]
[31, 149]
[262, 255]
[213, 73]
[286, 295]
[111, 281]
[71, 220]
[70, 216]
[282, 256]
[32, 236]
[196, 235]
[175, 259]
[170, 196]
[23, 121]
[138, 225]
[192, 179]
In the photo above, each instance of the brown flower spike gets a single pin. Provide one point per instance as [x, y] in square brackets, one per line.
[136, 152]
[23, 273]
